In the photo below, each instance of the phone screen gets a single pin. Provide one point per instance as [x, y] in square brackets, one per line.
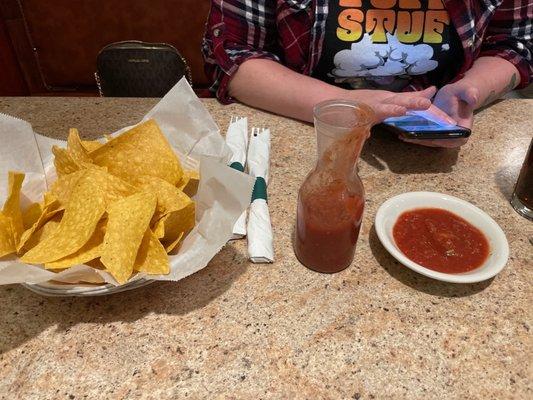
[417, 126]
[416, 123]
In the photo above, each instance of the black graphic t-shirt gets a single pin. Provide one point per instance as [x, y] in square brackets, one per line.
[383, 43]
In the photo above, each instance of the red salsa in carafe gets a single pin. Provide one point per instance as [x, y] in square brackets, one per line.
[327, 228]
[331, 199]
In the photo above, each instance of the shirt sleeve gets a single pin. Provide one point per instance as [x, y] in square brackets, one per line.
[236, 31]
[508, 36]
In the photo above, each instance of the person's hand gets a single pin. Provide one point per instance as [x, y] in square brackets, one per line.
[389, 104]
[458, 100]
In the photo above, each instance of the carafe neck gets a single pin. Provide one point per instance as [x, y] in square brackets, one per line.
[339, 155]
[341, 128]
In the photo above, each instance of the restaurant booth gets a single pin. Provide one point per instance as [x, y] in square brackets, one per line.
[50, 47]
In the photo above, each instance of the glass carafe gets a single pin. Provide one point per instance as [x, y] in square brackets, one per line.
[331, 199]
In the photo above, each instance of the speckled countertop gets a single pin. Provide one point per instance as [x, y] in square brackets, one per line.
[240, 331]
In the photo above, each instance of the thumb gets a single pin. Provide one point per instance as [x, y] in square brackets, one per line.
[428, 93]
[465, 92]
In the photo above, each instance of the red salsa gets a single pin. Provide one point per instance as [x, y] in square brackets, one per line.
[440, 240]
[327, 228]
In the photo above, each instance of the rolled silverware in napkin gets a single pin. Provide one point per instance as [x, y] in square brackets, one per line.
[260, 238]
[237, 141]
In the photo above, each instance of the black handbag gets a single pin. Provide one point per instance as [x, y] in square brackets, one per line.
[138, 69]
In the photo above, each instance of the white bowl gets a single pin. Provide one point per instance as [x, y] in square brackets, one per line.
[390, 210]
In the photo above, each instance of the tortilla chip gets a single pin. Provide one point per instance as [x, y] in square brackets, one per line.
[169, 197]
[84, 209]
[90, 250]
[174, 245]
[114, 188]
[49, 199]
[50, 210]
[12, 205]
[91, 145]
[96, 263]
[64, 162]
[47, 228]
[62, 187]
[184, 181]
[171, 226]
[158, 227]
[75, 147]
[32, 214]
[142, 150]
[129, 219]
[177, 223]
[7, 240]
[151, 257]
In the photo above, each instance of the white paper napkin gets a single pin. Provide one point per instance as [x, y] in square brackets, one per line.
[237, 141]
[260, 237]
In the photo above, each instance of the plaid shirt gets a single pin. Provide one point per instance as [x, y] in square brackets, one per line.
[292, 32]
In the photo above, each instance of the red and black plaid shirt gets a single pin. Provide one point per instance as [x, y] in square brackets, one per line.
[292, 32]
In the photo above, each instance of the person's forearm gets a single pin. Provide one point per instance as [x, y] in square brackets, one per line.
[493, 77]
[273, 87]
[270, 86]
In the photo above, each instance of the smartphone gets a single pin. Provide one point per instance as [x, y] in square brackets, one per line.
[418, 126]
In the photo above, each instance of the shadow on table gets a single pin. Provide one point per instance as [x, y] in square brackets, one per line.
[417, 281]
[384, 149]
[25, 314]
[506, 178]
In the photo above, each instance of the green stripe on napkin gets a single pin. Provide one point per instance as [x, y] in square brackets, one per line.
[260, 189]
[237, 165]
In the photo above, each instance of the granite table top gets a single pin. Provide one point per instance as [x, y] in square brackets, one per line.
[236, 330]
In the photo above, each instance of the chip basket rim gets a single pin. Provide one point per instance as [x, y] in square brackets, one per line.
[75, 290]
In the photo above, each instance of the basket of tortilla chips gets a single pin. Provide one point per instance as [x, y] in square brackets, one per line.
[145, 204]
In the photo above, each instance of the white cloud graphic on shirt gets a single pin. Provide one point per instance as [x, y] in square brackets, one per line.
[366, 58]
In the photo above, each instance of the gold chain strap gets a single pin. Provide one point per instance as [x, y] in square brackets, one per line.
[97, 79]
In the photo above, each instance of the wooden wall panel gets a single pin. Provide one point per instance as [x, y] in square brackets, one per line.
[12, 82]
[56, 42]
